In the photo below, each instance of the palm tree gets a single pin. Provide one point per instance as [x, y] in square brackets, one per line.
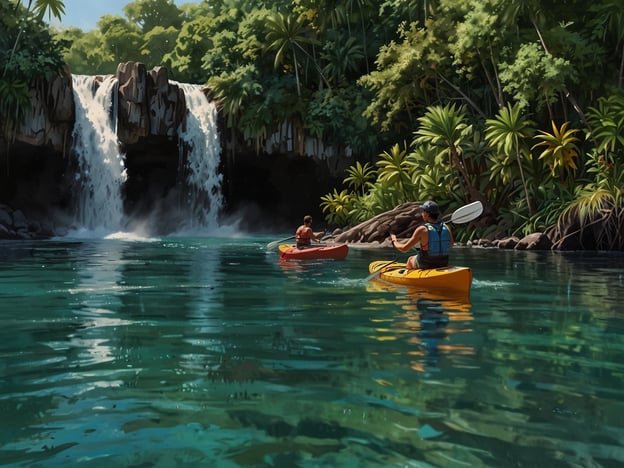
[360, 177]
[607, 120]
[446, 129]
[606, 162]
[597, 212]
[434, 179]
[232, 91]
[337, 206]
[395, 170]
[363, 9]
[342, 56]
[559, 148]
[287, 33]
[507, 133]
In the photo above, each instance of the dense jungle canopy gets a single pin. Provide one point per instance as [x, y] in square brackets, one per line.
[517, 103]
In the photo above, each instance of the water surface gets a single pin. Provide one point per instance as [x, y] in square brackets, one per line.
[210, 352]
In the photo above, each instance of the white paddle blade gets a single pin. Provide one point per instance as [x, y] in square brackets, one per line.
[272, 245]
[467, 213]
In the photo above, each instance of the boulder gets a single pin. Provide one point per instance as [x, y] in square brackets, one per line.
[401, 221]
[508, 242]
[15, 225]
[535, 241]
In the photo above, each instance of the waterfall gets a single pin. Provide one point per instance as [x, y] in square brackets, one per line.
[100, 173]
[200, 152]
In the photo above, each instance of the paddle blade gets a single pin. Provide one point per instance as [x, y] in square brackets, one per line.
[378, 269]
[467, 213]
[272, 245]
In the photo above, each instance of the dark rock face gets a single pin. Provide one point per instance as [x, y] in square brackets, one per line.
[32, 182]
[15, 225]
[37, 167]
[149, 105]
[50, 120]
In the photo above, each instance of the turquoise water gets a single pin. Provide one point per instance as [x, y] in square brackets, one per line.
[210, 352]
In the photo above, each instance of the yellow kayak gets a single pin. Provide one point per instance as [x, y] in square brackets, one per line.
[449, 278]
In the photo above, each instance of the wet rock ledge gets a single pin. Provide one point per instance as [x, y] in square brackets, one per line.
[14, 225]
[406, 217]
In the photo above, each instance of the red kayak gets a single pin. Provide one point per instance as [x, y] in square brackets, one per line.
[291, 252]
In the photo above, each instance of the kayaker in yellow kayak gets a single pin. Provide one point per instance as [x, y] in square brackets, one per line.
[434, 237]
[304, 235]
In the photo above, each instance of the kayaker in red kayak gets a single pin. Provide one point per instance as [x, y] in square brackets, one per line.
[304, 235]
[435, 239]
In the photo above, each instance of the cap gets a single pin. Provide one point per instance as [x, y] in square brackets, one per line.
[430, 207]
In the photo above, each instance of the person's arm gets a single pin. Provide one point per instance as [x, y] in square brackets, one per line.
[312, 235]
[451, 234]
[318, 236]
[411, 242]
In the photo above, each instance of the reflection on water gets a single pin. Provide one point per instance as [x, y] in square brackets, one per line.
[211, 351]
[422, 320]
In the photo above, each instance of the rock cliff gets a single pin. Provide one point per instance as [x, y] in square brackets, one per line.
[37, 160]
[50, 119]
[149, 104]
[38, 167]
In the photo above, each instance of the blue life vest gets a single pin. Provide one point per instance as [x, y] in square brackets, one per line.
[439, 240]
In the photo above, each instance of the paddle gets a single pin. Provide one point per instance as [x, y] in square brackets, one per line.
[461, 215]
[465, 214]
[379, 270]
[272, 245]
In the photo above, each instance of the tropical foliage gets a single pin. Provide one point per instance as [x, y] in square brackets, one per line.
[507, 132]
[27, 51]
[516, 103]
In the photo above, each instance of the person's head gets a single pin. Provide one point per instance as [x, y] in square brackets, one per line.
[432, 209]
[307, 220]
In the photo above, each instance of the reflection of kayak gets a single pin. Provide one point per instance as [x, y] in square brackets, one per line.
[291, 252]
[450, 278]
[456, 303]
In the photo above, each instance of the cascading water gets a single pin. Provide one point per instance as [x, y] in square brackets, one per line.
[200, 149]
[101, 171]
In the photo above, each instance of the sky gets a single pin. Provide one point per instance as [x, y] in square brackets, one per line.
[85, 14]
